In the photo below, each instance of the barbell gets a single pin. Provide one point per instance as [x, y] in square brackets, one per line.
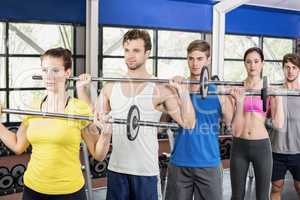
[203, 81]
[263, 93]
[132, 122]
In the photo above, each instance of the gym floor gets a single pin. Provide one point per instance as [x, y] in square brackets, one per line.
[289, 192]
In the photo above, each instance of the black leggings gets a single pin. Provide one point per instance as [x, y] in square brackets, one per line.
[259, 153]
[29, 194]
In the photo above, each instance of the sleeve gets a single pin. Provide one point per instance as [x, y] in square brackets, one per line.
[84, 110]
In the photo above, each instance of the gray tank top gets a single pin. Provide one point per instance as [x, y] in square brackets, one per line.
[287, 139]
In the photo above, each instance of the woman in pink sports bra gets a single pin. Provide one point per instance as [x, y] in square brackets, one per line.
[251, 141]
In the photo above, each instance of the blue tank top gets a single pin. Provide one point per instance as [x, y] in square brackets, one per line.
[199, 147]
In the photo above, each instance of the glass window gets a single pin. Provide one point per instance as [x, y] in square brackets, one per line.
[113, 38]
[3, 103]
[116, 67]
[21, 71]
[2, 72]
[175, 43]
[167, 68]
[36, 38]
[235, 46]
[23, 100]
[234, 71]
[2, 38]
[276, 48]
[274, 71]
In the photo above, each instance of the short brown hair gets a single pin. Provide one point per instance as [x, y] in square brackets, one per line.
[60, 52]
[199, 45]
[293, 58]
[135, 34]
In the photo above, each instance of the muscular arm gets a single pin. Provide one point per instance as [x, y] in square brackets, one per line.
[277, 112]
[227, 104]
[178, 105]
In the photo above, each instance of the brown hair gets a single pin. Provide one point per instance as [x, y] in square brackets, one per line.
[135, 34]
[60, 52]
[254, 49]
[291, 57]
[199, 45]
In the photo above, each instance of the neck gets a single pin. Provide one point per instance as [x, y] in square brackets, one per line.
[141, 72]
[56, 101]
[194, 77]
[292, 85]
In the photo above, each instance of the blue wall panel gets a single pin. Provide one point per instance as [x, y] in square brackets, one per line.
[157, 13]
[194, 15]
[264, 21]
[67, 11]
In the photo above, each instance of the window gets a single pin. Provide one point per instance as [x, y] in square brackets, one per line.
[2, 38]
[175, 43]
[21, 70]
[169, 68]
[36, 38]
[274, 49]
[2, 72]
[23, 100]
[26, 41]
[235, 47]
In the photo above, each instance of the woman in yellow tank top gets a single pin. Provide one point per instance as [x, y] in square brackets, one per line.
[54, 170]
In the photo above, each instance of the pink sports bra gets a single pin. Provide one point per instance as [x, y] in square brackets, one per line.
[253, 104]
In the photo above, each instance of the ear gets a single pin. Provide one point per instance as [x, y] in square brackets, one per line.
[68, 73]
[148, 53]
[208, 60]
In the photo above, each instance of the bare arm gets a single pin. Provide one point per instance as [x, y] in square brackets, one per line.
[177, 103]
[18, 142]
[83, 89]
[99, 145]
[227, 104]
[277, 112]
[238, 118]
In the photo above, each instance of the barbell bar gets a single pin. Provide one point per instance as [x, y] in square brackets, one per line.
[132, 122]
[158, 80]
[263, 93]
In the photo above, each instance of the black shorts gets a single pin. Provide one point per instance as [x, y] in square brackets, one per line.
[29, 194]
[283, 163]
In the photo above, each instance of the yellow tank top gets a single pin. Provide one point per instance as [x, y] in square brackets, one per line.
[54, 166]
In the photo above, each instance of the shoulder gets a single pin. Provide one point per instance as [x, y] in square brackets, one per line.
[79, 107]
[107, 88]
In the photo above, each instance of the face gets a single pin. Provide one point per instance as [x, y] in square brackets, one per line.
[196, 60]
[291, 72]
[135, 54]
[54, 73]
[253, 64]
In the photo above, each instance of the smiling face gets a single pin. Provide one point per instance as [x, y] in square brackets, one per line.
[54, 73]
[253, 64]
[135, 54]
[196, 60]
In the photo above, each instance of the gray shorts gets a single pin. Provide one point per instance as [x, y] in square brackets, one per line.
[184, 183]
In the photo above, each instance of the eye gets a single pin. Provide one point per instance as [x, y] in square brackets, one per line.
[55, 70]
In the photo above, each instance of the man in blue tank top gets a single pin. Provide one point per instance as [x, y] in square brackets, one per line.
[195, 165]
